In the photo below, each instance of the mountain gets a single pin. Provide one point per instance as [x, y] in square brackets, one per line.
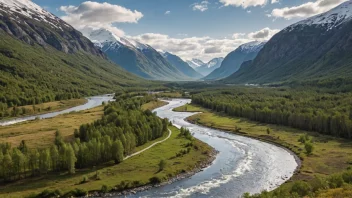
[135, 57]
[42, 58]
[209, 67]
[181, 65]
[233, 61]
[194, 63]
[316, 49]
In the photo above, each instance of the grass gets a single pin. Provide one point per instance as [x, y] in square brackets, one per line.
[331, 155]
[136, 170]
[153, 105]
[51, 106]
[41, 133]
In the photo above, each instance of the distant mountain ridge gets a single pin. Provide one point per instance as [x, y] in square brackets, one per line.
[135, 57]
[205, 68]
[316, 49]
[181, 65]
[233, 60]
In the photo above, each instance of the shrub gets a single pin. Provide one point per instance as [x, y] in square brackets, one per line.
[309, 147]
[301, 188]
[155, 180]
[104, 189]
[162, 165]
[335, 181]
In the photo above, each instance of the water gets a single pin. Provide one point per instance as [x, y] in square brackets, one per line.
[242, 165]
[91, 103]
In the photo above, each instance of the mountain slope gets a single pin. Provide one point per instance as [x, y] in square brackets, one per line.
[318, 48]
[209, 67]
[194, 63]
[135, 57]
[42, 58]
[181, 65]
[233, 61]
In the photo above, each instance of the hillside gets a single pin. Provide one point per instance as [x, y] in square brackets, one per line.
[42, 58]
[233, 61]
[181, 65]
[206, 68]
[316, 49]
[135, 57]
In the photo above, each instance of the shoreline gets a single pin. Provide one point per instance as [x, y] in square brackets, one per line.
[297, 158]
[178, 177]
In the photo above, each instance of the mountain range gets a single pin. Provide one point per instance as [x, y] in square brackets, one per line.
[205, 68]
[181, 65]
[42, 58]
[316, 49]
[233, 61]
[140, 59]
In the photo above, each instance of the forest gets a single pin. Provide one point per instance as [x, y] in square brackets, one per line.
[122, 128]
[306, 109]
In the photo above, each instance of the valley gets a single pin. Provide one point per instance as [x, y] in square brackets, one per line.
[218, 98]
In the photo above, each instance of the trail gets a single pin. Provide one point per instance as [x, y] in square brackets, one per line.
[149, 147]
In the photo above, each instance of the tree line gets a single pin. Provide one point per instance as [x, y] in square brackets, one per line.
[122, 128]
[326, 113]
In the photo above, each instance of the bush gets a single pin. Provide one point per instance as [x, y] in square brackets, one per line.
[162, 165]
[84, 180]
[347, 176]
[104, 189]
[301, 188]
[335, 181]
[309, 148]
[155, 180]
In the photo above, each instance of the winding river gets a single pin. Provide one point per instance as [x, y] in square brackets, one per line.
[92, 102]
[242, 165]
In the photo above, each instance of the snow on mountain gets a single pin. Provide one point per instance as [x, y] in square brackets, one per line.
[251, 46]
[329, 19]
[194, 63]
[31, 10]
[216, 62]
[103, 37]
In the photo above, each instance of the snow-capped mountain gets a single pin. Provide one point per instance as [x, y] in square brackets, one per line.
[135, 57]
[233, 60]
[328, 20]
[30, 23]
[207, 68]
[181, 65]
[194, 63]
[313, 49]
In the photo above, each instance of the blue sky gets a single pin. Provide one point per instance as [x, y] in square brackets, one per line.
[199, 25]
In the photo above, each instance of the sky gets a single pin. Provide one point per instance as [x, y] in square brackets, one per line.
[202, 29]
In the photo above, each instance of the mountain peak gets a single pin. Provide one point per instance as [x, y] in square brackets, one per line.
[329, 19]
[31, 10]
[252, 46]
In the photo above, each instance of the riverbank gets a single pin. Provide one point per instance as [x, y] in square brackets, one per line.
[331, 155]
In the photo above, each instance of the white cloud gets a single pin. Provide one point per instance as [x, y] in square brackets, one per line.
[249, 11]
[275, 1]
[263, 34]
[204, 48]
[93, 15]
[167, 12]
[306, 10]
[202, 6]
[244, 3]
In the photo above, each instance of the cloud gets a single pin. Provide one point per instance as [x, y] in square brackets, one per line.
[275, 1]
[244, 3]
[263, 34]
[167, 12]
[94, 15]
[204, 48]
[202, 6]
[306, 10]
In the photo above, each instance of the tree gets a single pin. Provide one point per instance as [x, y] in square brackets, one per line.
[54, 154]
[162, 165]
[309, 148]
[268, 131]
[71, 159]
[7, 165]
[117, 151]
[44, 161]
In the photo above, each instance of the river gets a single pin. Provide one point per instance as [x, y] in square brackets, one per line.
[242, 165]
[92, 102]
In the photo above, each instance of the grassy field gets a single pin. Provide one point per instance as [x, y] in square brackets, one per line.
[153, 105]
[40, 133]
[331, 155]
[135, 171]
[49, 106]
